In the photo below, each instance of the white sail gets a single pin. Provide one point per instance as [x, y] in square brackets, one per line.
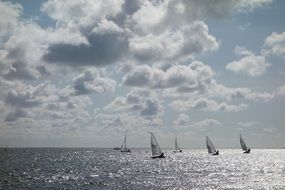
[211, 148]
[176, 145]
[154, 146]
[124, 145]
[242, 143]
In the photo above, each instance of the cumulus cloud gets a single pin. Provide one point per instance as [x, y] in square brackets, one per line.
[183, 121]
[247, 124]
[107, 43]
[25, 101]
[79, 15]
[44, 105]
[206, 105]
[98, 33]
[269, 130]
[138, 101]
[275, 44]
[122, 122]
[193, 77]
[124, 30]
[206, 123]
[102, 32]
[250, 64]
[155, 16]
[185, 41]
[11, 13]
[91, 82]
[105, 32]
[181, 80]
[245, 5]
[20, 55]
[240, 93]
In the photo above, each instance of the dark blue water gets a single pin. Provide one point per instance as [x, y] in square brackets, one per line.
[111, 169]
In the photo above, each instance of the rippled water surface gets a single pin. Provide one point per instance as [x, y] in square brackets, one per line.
[111, 169]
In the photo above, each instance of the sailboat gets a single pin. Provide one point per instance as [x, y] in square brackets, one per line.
[211, 148]
[124, 146]
[155, 149]
[177, 149]
[243, 145]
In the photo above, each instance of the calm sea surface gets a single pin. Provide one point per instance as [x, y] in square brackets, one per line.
[111, 169]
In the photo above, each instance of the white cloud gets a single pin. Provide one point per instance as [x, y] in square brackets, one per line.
[183, 121]
[275, 44]
[186, 41]
[106, 26]
[192, 77]
[78, 15]
[244, 27]
[11, 13]
[154, 16]
[240, 93]
[92, 82]
[269, 130]
[22, 54]
[45, 104]
[249, 5]
[250, 64]
[195, 79]
[101, 32]
[247, 124]
[65, 36]
[122, 122]
[206, 105]
[149, 16]
[131, 35]
[142, 102]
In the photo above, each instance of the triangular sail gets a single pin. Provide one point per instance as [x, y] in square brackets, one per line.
[176, 145]
[242, 143]
[211, 148]
[154, 146]
[124, 145]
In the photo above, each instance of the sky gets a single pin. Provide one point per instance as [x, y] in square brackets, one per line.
[85, 73]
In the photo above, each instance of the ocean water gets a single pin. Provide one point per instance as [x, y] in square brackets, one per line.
[110, 169]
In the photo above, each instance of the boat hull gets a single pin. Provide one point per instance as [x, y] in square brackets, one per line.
[247, 152]
[158, 156]
[126, 150]
[215, 153]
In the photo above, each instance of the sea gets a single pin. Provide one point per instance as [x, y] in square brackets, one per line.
[87, 168]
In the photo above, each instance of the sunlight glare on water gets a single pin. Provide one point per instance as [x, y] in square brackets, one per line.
[110, 169]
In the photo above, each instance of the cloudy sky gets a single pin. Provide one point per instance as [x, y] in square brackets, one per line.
[83, 73]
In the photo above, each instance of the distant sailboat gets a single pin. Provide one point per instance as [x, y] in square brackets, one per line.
[177, 149]
[243, 145]
[124, 146]
[211, 148]
[155, 149]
